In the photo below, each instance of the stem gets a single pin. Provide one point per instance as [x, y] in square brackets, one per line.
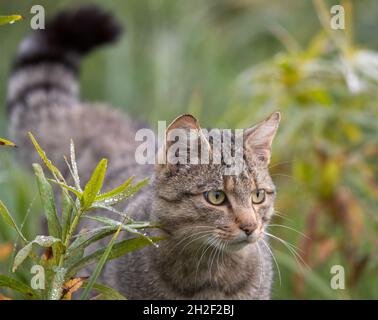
[72, 229]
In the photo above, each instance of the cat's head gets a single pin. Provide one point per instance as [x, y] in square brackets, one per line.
[203, 202]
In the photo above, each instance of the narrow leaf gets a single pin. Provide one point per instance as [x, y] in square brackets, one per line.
[100, 266]
[67, 209]
[75, 171]
[116, 190]
[43, 241]
[9, 220]
[119, 249]
[94, 185]
[128, 192]
[4, 142]
[76, 192]
[16, 285]
[10, 19]
[54, 170]
[115, 223]
[48, 202]
[87, 238]
[106, 293]
[21, 256]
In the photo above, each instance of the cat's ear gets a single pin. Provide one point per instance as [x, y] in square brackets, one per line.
[178, 135]
[258, 139]
[185, 123]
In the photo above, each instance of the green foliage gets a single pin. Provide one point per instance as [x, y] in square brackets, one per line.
[9, 19]
[65, 255]
[5, 142]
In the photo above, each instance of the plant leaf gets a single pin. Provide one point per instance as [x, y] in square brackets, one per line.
[116, 190]
[4, 142]
[75, 172]
[10, 19]
[85, 239]
[16, 285]
[54, 170]
[100, 265]
[106, 293]
[115, 223]
[67, 208]
[43, 241]
[94, 184]
[76, 192]
[9, 220]
[128, 192]
[119, 249]
[48, 202]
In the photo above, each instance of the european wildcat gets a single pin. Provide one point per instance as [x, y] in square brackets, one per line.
[215, 247]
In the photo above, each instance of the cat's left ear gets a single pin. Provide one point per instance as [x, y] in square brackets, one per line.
[258, 139]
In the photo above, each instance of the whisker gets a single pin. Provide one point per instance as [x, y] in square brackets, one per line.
[188, 237]
[212, 256]
[282, 175]
[292, 250]
[281, 215]
[209, 245]
[279, 163]
[275, 260]
[290, 228]
[262, 267]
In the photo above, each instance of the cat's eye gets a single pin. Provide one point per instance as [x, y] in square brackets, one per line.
[258, 196]
[217, 197]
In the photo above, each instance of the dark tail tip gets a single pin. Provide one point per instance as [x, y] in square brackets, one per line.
[82, 29]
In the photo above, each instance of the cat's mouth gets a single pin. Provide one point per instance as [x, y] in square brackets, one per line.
[241, 240]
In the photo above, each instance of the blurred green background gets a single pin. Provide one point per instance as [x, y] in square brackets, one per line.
[231, 63]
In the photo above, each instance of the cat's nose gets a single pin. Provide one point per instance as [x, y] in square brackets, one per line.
[248, 228]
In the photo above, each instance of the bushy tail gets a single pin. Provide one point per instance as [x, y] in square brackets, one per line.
[46, 66]
[43, 89]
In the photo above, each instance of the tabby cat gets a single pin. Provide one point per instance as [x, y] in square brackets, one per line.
[214, 223]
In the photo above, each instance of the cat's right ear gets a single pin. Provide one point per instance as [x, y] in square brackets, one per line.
[258, 139]
[177, 134]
